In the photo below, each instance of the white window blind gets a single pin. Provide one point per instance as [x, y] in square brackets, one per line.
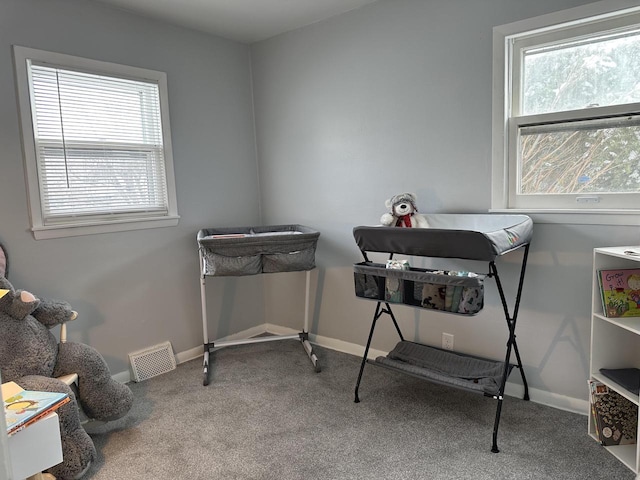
[99, 145]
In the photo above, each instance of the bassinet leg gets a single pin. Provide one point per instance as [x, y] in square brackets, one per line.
[205, 366]
[366, 350]
[304, 335]
[304, 339]
[205, 333]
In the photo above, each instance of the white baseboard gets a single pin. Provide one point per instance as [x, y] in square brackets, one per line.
[122, 377]
[543, 397]
[562, 402]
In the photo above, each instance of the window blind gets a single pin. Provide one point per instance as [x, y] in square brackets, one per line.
[99, 145]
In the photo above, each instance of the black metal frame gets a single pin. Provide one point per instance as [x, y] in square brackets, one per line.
[511, 342]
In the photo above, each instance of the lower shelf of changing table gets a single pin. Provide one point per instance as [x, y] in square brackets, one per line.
[446, 367]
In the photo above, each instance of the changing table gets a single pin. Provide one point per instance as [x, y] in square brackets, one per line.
[482, 237]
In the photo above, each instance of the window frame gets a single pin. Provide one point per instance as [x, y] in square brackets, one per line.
[96, 225]
[505, 126]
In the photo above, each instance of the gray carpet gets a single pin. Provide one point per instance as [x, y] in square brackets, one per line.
[267, 415]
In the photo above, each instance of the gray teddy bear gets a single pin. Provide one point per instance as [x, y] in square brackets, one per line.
[31, 357]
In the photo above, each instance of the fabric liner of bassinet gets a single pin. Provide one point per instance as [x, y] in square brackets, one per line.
[259, 239]
[446, 367]
[465, 236]
[257, 249]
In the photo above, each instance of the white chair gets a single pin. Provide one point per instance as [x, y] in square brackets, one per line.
[71, 378]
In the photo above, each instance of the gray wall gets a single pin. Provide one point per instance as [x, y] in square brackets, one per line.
[392, 97]
[136, 289]
[395, 97]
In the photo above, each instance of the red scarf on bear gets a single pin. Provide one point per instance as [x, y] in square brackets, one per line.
[404, 221]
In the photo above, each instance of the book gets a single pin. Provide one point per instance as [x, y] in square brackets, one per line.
[25, 407]
[629, 378]
[596, 389]
[620, 290]
[615, 417]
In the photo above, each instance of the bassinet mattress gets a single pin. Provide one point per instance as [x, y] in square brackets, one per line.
[466, 236]
[235, 251]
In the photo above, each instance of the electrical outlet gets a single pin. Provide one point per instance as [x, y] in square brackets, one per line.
[447, 341]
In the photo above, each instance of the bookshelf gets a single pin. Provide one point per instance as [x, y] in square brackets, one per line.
[33, 449]
[615, 343]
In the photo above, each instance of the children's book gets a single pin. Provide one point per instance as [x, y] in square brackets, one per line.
[26, 407]
[593, 390]
[615, 417]
[620, 291]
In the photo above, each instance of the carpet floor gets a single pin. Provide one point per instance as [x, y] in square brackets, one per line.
[266, 415]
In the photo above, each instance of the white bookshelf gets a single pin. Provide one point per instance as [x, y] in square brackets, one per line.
[615, 343]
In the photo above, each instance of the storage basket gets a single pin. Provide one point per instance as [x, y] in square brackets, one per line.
[236, 251]
[449, 291]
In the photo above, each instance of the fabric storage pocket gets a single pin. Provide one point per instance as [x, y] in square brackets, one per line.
[216, 264]
[368, 284]
[376, 281]
[448, 291]
[289, 262]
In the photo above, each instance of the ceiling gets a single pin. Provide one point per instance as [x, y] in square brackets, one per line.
[245, 21]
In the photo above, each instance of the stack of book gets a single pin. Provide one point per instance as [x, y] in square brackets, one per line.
[620, 292]
[615, 418]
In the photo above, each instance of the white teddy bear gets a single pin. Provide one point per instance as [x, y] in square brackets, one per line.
[403, 212]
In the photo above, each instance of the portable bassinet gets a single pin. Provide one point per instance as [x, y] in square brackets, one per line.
[238, 251]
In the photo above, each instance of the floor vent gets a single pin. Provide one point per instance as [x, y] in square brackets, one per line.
[152, 361]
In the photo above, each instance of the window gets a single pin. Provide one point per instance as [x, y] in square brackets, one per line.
[97, 145]
[566, 126]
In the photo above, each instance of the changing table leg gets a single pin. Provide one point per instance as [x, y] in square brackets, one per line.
[494, 447]
[511, 343]
[524, 379]
[366, 350]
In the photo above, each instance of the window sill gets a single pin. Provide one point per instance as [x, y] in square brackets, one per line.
[60, 231]
[578, 217]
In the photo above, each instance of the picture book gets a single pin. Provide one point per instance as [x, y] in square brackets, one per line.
[26, 407]
[620, 290]
[615, 417]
